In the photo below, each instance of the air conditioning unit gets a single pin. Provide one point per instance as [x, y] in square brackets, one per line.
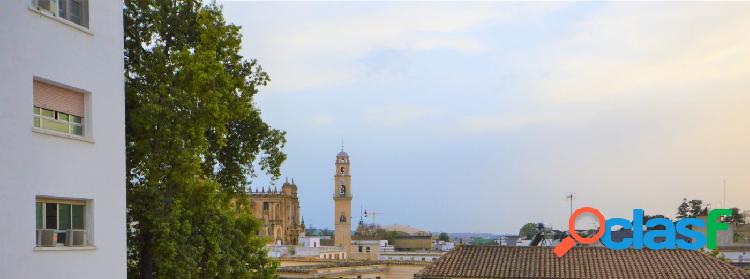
[76, 238]
[46, 238]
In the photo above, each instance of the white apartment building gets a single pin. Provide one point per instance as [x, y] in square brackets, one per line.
[62, 150]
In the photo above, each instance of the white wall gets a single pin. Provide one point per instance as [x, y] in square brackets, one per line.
[737, 256]
[309, 241]
[34, 164]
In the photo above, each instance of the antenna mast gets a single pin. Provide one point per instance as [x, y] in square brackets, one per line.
[570, 197]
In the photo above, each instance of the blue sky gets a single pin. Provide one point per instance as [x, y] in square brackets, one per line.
[483, 116]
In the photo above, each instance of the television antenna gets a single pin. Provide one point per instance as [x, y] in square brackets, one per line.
[571, 197]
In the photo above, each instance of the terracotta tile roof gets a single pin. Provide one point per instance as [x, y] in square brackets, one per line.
[579, 262]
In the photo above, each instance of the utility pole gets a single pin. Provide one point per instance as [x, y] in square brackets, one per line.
[570, 197]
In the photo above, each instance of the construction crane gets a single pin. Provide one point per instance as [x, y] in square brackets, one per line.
[373, 214]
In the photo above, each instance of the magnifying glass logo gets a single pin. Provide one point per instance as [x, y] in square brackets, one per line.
[571, 240]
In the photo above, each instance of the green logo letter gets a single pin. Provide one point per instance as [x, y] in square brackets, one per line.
[714, 225]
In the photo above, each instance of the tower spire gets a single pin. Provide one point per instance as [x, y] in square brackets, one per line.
[342, 199]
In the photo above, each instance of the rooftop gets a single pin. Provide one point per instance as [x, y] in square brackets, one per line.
[580, 262]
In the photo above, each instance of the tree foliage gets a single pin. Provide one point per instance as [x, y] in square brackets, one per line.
[690, 209]
[444, 237]
[482, 241]
[370, 230]
[527, 231]
[192, 137]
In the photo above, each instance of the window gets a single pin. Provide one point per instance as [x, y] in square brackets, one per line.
[58, 109]
[60, 223]
[58, 121]
[360, 248]
[367, 249]
[75, 11]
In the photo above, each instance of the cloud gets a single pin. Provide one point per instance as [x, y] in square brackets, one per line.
[459, 44]
[321, 120]
[498, 123]
[397, 116]
[327, 41]
[627, 52]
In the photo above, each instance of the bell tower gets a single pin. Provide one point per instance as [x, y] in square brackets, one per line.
[342, 199]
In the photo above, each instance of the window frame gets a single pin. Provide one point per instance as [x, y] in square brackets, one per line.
[33, 7]
[55, 118]
[60, 245]
[61, 10]
[86, 120]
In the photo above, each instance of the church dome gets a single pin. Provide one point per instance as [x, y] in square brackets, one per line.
[342, 154]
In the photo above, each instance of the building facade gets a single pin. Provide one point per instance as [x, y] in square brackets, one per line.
[426, 256]
[342, 199]
[364, 250]
[62, 111]
[280, 213]
[413, 243]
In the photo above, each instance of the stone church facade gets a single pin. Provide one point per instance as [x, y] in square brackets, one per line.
[279, 211]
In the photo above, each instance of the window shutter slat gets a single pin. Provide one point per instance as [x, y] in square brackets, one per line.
[59, 99]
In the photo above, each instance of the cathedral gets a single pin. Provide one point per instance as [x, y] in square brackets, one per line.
[279, 211]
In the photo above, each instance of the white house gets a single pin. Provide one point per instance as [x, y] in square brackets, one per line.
[62, 157]
[443, 246]
[309, 241]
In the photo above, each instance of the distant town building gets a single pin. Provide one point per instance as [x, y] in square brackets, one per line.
[581, 262]
[507, 240]
[413, 243]
[425, 256]
[310, 241]
[279, 211]
[739, 255]
[332, 253]
[342, 199]
[442, 246]
[364, 249]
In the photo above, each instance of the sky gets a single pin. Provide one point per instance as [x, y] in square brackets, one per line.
[480, 117]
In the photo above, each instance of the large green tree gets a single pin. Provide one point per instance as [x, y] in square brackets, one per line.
[690, 209]
[444, 237]
[527, 231]
[193, 136]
